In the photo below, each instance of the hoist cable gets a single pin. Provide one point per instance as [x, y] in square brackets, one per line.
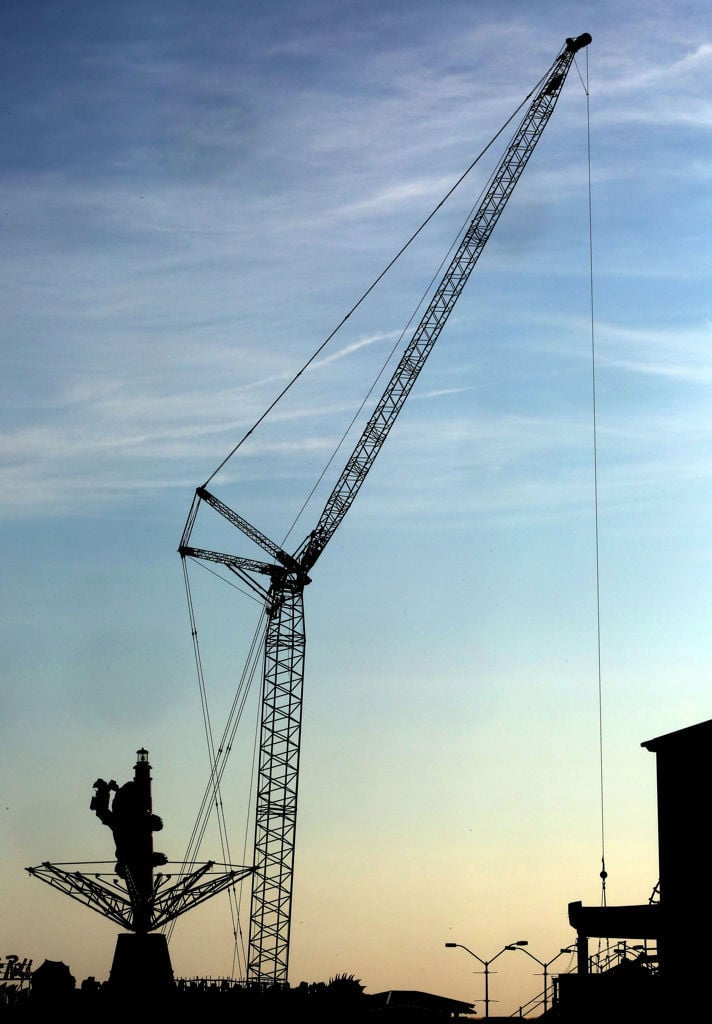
[374, 283]
[604, 873]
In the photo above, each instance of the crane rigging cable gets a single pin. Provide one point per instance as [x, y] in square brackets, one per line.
[376, 280]
[389, 357]
[214, 782]
[218, 758]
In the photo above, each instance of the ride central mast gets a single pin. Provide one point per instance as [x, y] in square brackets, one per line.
[281, 582]
[133, 894]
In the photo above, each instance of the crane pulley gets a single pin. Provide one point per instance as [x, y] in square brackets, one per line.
[285, 640]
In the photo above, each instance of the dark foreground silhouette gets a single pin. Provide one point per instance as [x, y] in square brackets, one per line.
[668, 982]
[342, 999]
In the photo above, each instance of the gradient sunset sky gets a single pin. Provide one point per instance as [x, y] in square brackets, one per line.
[193, 196]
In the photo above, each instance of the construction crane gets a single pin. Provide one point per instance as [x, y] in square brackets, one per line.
[280, 582]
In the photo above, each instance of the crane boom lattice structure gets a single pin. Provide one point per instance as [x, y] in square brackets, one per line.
[283, 665]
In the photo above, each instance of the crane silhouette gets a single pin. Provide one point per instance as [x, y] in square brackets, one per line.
[281, 581]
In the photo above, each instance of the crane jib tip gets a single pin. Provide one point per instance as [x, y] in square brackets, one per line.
[578, 42]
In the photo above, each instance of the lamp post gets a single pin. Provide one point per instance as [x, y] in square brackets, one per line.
[486, 963]
[545, 968]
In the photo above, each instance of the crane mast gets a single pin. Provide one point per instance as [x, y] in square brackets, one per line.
[285, 637]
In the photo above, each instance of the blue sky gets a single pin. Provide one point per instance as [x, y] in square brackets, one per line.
[193, 196]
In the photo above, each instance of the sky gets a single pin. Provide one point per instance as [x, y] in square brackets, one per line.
[193, 197]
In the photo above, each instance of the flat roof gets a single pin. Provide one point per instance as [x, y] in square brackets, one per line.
[694, 733]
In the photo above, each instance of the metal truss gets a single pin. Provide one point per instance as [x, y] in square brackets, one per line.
[112, 897]
[278, 776]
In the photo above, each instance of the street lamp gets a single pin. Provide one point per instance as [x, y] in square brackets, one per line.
[545, 967]
[486, 963]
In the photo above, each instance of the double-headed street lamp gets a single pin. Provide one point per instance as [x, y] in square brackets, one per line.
[486, 963]
[545, 968]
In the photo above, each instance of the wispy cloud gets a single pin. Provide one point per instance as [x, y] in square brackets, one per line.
[355, 346]
[682, 355]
